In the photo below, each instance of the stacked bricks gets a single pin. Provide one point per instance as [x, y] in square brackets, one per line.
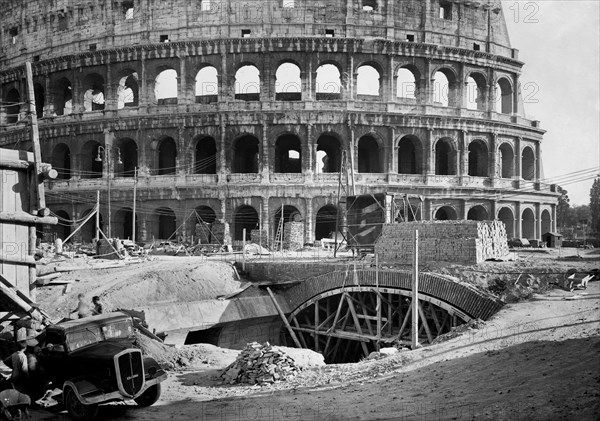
[461, 242]
[260, 364]
[293, 235]
[221, 233]
[203, 233]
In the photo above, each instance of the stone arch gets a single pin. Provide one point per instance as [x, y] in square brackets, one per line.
[288, 82]
[93, 96]
[61, 161]
[410, 155]
[200, 224]
[13, 109]
[328, 81]
[528, 164]
[546, 222]
[329, 153]
[245, 153]
[504, 96]
[445, 213]
[246, 217]
[477, 213]
[128, 91]
[478, 158]
[166, 87]
[122, 224]
[288, 154]
[507, 161]
[506, 215]
[207, 85]
[290, 214]
[445, 157]
[166, 223]
[369, 5]
[91, 160]
[369, 155]
[368, 79]
[126, 151]
[63, 96]
[325, 221]
[444, 87]
[205, 156]
[40, 99]
[247, 83]
[476, 91]
[528, 224]
[166, 156]
[407, 78]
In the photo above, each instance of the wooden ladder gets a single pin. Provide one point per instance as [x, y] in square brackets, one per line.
[278, 243]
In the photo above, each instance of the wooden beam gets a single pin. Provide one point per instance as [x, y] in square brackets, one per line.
[356, 323]
[285, 321]
[316, 324]
[25, 218]
[335, 319]
[425, 323]
[300, 336]
[18, 259]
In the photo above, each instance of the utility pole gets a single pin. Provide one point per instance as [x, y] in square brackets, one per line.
[97, 216]
[107, 153]
[415, 293]
[134, 203]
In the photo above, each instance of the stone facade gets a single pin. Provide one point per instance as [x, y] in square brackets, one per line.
[423, 96]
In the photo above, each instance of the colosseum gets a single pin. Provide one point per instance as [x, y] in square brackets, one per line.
[239, 113]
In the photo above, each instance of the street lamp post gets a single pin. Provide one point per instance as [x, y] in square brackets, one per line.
[107, 155]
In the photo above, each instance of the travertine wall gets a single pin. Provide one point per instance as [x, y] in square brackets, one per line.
[461, 242]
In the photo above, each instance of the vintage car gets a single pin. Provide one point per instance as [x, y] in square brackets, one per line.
[93, 361]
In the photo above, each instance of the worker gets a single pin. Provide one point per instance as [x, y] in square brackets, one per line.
[98, 307]
[19, 376]
[83, 308]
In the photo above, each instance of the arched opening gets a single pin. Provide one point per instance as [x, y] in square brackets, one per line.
[476, 88]
[546, 222]
[167, 156]
[478, 159]
[288, 84]
[368, 155]
[504, 96]
[329, 153]
[128, 91]
[367, 80]
[122, 226]
[290, 214]
[93, 97]
[91, 166]
[40, 100]
[445, 213]
[245, 155]
[205, 156]
[328, 82]
[201, 225]
[127, 152]
[288, 154]
[406, 84]
[444, 88]
[369, 5]
[247, 83]
[207, 85]
[245, 217]
[61, 161]
[165, 87]
[528, 164]
[445, 157]
[13, 108]
[477, 213]
[409, 155]
[88, 231]
[63, 97]
[167, 223]
[325, 222]
[506, 215]
[528, 224]
[63, 229]
[507, 160]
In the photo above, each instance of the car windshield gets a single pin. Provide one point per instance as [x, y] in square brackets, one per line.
[92, 334]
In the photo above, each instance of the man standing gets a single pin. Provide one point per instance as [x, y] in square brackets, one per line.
[98, 309]
[83, 308]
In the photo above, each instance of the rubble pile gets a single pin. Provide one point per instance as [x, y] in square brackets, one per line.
[260, 364]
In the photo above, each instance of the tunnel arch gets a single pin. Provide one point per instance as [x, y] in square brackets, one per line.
[166, 223]
[477, 213]
[528, 224]
[506, 215]
[205, 156]
[478, 158]
[369, 155]
[410, 152]
[245, 216]
[325, 221]
[245, 154]
[445, 213]
[445, 157]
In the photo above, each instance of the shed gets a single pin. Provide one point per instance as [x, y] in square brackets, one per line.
[552, 239]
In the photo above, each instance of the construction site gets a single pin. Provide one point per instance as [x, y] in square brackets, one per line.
[292, 209]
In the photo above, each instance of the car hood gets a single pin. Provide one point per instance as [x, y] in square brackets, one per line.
[103, 350]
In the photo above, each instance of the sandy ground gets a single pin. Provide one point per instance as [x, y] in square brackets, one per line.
[534, 360]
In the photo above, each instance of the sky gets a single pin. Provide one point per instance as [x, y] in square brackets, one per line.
[559, 41]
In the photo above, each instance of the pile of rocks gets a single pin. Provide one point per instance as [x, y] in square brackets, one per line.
[260, 364]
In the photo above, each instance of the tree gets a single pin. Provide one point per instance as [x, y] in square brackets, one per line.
[595, 207]
[562, 209]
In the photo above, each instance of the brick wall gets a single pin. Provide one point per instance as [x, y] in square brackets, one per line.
[462, 242]
[293, 235]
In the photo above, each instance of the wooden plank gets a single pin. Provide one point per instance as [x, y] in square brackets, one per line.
[356, 323]
[20, 217]
[425, 323]
[285, 321]
[335, 319]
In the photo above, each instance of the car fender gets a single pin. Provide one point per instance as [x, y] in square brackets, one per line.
[81, 388]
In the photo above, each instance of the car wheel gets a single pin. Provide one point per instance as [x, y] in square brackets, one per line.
[76, 409]
[150, 396]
